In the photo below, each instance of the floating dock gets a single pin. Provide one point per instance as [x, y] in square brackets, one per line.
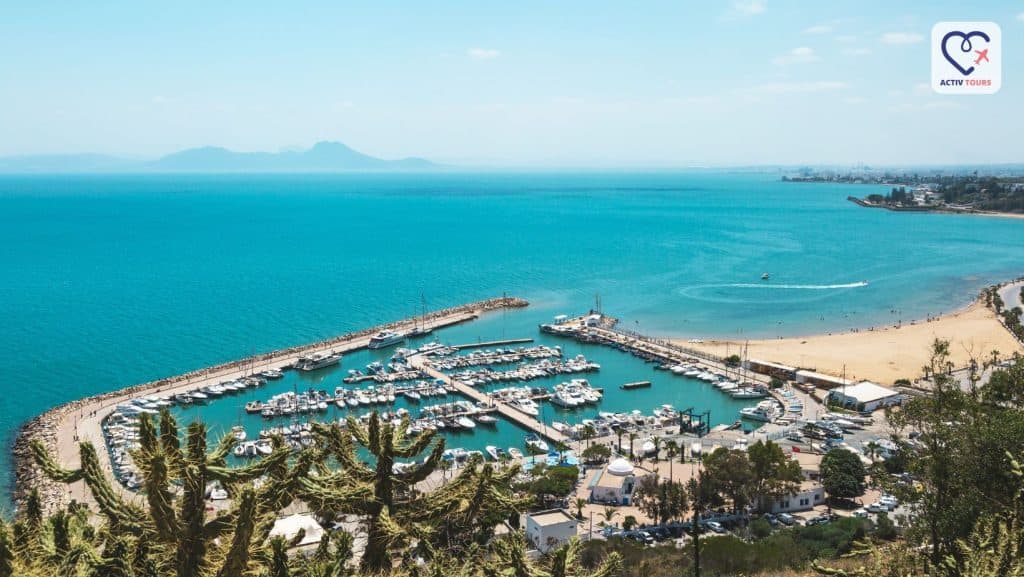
[492, 344]
[519, 418]
[635, 385]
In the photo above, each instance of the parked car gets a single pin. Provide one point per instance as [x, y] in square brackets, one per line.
[878, 507]
[889, 501]
[861, 513]
[716, 527]
[639, 537]
[819, 520]
[659, 533]
[786, 519]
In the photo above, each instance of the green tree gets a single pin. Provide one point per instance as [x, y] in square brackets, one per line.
[660, 500]
[842, 474]
[596, 454]
[774, 474]
[729, 473]
[580, 503]
[671, 452]
[609, 514]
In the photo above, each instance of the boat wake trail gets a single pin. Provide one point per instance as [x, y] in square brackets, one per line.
[809, 287]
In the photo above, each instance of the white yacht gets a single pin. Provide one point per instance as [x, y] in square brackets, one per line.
[536, 443]
[385, 339]
[525, 406]
[317, 361]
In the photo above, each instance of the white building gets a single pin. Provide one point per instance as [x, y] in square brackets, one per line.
[811, 493]
[547, 530]
[865, 397]
[616, 482]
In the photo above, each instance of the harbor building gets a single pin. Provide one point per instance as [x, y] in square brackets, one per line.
[547, 530]
[865, 397]
[809, 494]
[777, 370]
[821, 380]
[616, 482]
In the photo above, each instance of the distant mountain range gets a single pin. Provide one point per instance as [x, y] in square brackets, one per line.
[322, 157]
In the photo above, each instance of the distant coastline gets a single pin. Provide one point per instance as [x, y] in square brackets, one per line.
[971, 193]
[940, 209]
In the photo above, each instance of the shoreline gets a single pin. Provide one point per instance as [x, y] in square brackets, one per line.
[882, 354]
[934, 210]
[61, 428]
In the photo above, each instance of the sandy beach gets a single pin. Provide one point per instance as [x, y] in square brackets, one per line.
[884, 354]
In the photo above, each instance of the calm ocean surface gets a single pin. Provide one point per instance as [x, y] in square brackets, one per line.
[107, 281]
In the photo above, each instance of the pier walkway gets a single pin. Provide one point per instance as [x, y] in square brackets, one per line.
[519, 418]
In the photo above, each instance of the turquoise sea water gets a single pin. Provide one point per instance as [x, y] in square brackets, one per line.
[107, 281]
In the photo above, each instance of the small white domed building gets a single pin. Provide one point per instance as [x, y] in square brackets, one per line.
[616, 482]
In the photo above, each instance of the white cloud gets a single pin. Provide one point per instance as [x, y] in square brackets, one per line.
[483, 53]
[801, 55]
[860, 51]
[901, 38]
[818, 29]
[846, 38]
[749, 7]
[792, 87]
[1020, 16]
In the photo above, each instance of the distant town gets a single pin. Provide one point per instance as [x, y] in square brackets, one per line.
[970, 193]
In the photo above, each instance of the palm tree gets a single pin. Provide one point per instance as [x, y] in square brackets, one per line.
[618, 447]
[657, 448]
[589, 432]
[632, 438]
[580, 503]
[671, 450]
[609, 513]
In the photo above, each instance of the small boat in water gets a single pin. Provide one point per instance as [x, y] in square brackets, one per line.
[238, 432]
[495, 453]
[515, 453]
[765, 276]
[536, 444]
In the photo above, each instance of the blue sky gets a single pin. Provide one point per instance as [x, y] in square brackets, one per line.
[512, 84]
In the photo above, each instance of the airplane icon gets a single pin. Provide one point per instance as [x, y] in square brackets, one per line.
[982, 55]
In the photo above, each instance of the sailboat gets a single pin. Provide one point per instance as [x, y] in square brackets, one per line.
[421, 329]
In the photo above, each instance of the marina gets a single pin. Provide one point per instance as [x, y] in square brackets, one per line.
[514, 394]
[406, 383]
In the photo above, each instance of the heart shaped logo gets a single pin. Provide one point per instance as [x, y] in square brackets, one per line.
[965, 47]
